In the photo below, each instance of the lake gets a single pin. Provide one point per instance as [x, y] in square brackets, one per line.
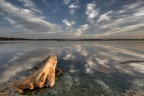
[90, 68]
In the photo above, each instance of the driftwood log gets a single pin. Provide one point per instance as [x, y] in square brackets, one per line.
[44, 76]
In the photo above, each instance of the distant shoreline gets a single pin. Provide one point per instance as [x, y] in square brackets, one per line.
[20, 39]
[72, 40]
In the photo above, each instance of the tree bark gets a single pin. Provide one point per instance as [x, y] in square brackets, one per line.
[44, 76]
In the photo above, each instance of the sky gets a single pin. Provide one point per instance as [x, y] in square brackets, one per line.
[49, 19]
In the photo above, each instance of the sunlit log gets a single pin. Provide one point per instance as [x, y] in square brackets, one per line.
[44, 76]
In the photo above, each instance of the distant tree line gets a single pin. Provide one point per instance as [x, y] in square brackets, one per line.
[12, 38]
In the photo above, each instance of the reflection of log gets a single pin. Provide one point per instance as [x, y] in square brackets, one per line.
[44, 76]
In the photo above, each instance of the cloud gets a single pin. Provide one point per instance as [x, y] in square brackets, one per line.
[104, 17]
[114, 23]
[68, 23]
[45, 2]
[66, 2]
[73, 8]
[26, 19]
[85, 27]
[9, 20]
[131, 8]
[111, 23]
[133, 5]
[78, 32]
[81, 29]
[93, 20]
[91, 11]
[139, 13]
[125, 29]
[29, 4]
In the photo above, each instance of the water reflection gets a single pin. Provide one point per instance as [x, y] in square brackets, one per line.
[89, 67]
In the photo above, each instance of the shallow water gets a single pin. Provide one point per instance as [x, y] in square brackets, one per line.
[89, 68]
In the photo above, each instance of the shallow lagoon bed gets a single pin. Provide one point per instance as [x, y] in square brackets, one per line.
[89, 68]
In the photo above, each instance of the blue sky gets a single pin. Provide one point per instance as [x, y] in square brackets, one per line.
[72, 18]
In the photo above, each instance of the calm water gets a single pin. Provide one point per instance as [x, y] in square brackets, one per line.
[89, 68]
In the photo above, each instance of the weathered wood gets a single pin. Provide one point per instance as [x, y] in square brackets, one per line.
[131, 61]
[44, 76]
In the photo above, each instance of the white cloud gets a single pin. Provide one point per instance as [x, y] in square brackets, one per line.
[29, 4]
[9, 20]
[73, 8]
[104, 17]
[91, 11]
[113, 24]
[139, 13]
[72, 12]
[68, 23]
[81, 29]
[78, 32]
[85, 27]
[26, 19]
[66, 1]
[116, 30]
[133, 5]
